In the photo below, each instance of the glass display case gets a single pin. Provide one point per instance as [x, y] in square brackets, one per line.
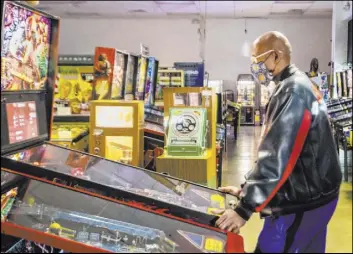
[94, 174]
[247, 97]
[73, 90]
[77, 222]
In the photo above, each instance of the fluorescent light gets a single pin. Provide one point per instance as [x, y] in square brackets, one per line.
[176, 2]
[246, 49]
[294, 2]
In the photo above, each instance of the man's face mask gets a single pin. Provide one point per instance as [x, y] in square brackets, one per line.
[259, 69]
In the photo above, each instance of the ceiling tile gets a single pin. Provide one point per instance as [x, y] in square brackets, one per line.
[179, 8]
[287, 7]
[219, 3]
[322, 5]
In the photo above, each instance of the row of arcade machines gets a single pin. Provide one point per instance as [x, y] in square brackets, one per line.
[57, 199]
[253, 97]
[340, 112]
[76, 82]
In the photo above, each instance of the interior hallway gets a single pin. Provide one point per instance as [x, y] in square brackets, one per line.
[240, 158]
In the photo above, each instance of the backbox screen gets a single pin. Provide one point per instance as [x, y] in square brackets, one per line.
[22, 121]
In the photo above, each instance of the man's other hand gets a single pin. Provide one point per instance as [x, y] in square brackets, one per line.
[229, 220]
[230, 190]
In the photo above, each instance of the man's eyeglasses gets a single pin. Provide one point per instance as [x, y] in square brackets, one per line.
[262, 57]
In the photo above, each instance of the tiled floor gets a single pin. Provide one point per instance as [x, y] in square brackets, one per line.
[240, 158]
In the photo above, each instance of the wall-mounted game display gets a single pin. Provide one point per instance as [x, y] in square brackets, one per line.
[80, 222]
[247, 97]
[167, 77]
[73, 90]
[110, 67]
[131, 77]
[116, 130]
[194, 73]
[141, 77]
[187, 155]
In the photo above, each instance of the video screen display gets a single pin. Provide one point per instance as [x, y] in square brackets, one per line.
[25, 49]
[22, 121]
[114, 117]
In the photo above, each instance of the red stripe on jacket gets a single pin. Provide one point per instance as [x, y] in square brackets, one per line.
[297, 148]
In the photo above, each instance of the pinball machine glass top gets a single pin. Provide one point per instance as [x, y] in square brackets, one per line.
[102, 224]
[25, 49]
[123, 177]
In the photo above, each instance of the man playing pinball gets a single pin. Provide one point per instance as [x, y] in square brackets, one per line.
[295, 182]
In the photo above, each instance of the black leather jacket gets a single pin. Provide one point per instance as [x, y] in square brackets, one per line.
[298, 167]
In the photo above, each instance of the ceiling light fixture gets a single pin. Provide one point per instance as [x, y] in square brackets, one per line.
[246, 46]
[294, 2]
[176, 2]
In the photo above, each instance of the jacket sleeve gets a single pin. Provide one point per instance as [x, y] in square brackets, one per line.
[288, 125]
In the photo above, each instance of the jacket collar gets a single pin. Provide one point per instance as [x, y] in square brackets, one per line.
[285, 73]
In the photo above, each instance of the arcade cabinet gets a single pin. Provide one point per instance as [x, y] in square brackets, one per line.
[190, 115]
[110, 67]
[247, 92]
[131, 77]
[73, 93]
[117, 131]
[167, 77]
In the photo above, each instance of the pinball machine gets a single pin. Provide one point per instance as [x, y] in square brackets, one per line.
[38, 159]
[110, 67]
[80, 202]
[80, 222]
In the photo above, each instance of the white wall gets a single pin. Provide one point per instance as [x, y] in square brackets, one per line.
[168, 40]
[177, 40]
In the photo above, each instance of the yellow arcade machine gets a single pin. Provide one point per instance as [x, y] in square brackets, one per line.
[72, 96]
[185, 164]
[116, 131]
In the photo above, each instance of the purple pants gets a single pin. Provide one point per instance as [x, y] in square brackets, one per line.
[297, 233]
